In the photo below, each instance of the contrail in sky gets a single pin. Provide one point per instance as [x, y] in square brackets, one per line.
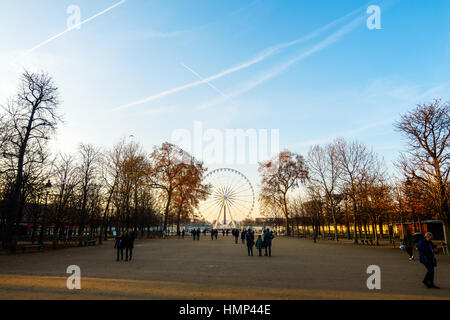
[208, 83]
[260, 57]
[72, 27]
[335, 36]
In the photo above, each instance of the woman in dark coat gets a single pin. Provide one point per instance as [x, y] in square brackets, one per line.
[426, 250]
[250, 242]
[119, 245]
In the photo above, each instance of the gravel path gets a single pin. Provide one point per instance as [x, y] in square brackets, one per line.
[205, 269]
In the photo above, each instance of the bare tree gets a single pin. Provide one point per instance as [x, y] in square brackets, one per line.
[88, 169]
[374, 194]
[354, 158]
[66, 180]
[111, 167]
[324, 174]
[427, 160]
[31, 119]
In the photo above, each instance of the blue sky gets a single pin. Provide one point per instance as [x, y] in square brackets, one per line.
[343, 80]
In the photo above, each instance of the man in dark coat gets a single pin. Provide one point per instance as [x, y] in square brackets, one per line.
[236, 235]
[129, 244]
[198, 233]
[243, 235]
[426, 250]
[119, 245]
[250, 242]
[268, 236]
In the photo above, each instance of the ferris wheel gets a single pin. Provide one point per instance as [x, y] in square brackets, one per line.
[231, 198]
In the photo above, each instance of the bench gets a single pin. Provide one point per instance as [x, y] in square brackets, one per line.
[90, 242]
[31, 246]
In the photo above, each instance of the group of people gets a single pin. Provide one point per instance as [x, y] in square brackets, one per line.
[426, 250]
[195, 234]
[125, 240]
[214, 234]
[263, 242]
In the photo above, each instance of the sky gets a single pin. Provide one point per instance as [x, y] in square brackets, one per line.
[312, 70]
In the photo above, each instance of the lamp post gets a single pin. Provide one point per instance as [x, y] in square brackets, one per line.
[47, 187]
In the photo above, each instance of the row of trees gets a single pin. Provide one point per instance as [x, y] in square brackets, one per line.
[346, 183]
[121, 187]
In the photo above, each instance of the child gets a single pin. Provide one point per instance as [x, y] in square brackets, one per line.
[259, 244]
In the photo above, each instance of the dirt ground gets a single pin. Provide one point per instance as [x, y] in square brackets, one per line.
[206, 269]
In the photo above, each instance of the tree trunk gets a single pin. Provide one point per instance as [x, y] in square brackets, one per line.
[166, 211]
[355, 240]
[56, 235]
[286, 214]
[333, 212]
[178, 221]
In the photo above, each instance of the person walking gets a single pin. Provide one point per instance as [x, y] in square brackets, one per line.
[236, 235]
[119, 245]
[427, 258]
[193, 232]
[315, 236]
[182, 234]
[408, 242]
[216, 233]
[268, 236]
[129, 244]
[250, 242]
[243, 236]
[259, 245]
[198, 233]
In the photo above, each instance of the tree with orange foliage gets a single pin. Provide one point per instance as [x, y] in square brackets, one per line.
[279, 175]
[177, 175]
[190, 191]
